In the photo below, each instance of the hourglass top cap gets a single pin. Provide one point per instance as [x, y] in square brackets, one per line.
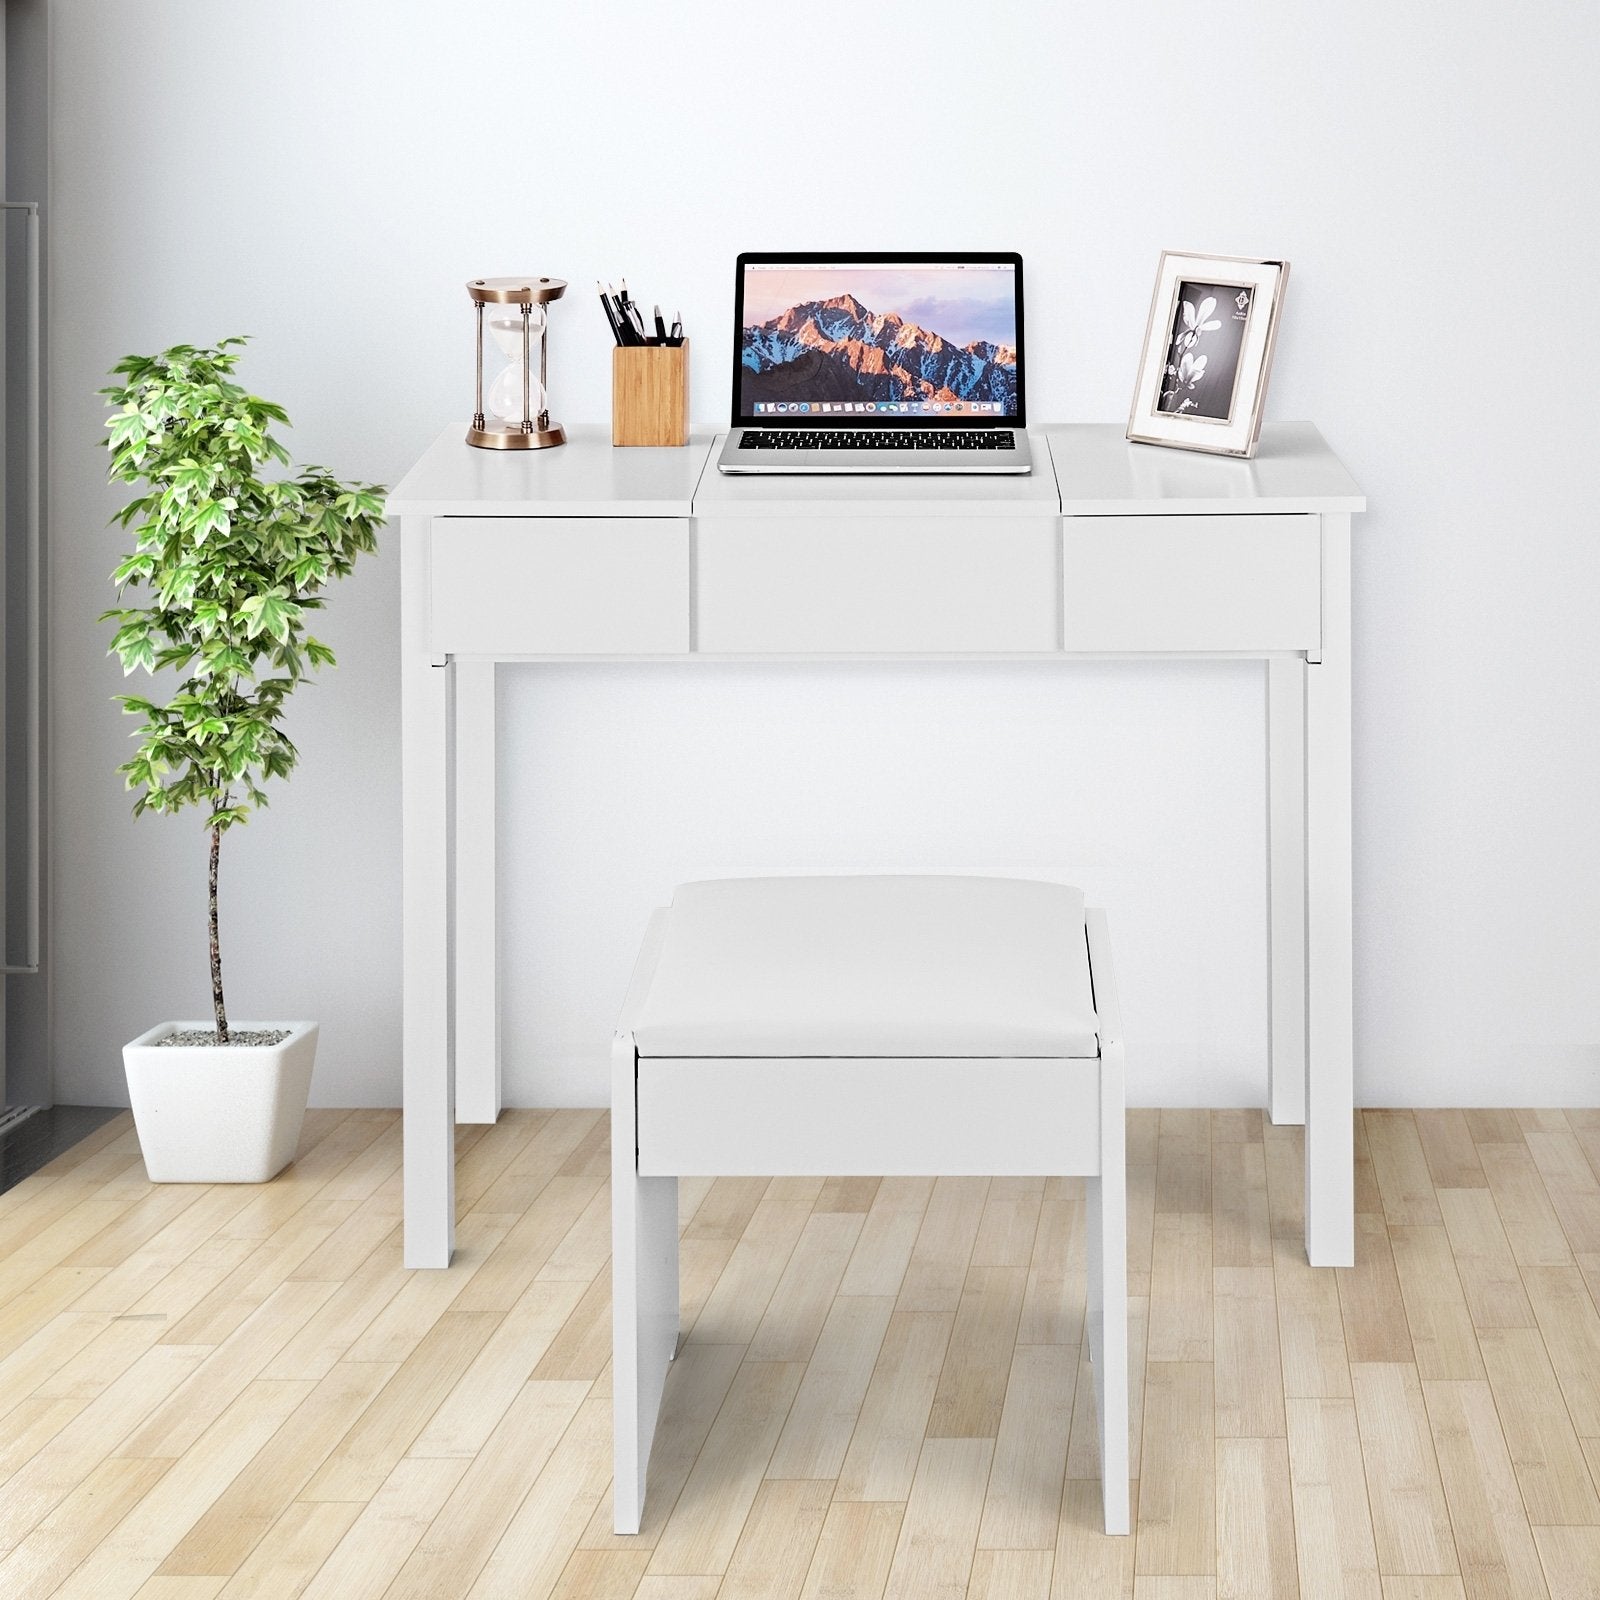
[516, 291]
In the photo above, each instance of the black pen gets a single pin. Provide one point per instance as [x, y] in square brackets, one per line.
[676, 336]
[626, 333]
[661, 327]
[611, 315]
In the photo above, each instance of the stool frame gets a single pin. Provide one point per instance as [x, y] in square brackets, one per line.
[1056, 1117]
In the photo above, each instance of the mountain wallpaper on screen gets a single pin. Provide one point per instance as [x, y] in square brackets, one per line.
[838, 350]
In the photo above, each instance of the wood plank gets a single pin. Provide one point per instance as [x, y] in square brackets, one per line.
[1183, 1162]
[1310, 1326]
[1401, 1168]
[461, 1537]
[938, 1266]
[39, 1417]
[1442, 1337]
[1493, 1540]
[585, 1248]
[44, 1559]
[933, 1557]
[855, 1551]
[1053, 1302]
[1337, 1554]
[581, 1348]
[512, 1353]
[1571, 1561]
[528, 1560]
[1255, 1520]
[225, 1374]
[1023, 1500]
[49, 1474]
[726, 1211]
[734, 1308]
[1089, 1565]
[502, 1278]
[1181, 1287]
[541, 1160]
[816, 1435]
[372, 1283]
[1545, 1452]
[1448, 1147]
[1177, 1478]
[972, 1383]
[1484, 1263]
[293, 1551]
[1375, 1325]
[1249, 1378]
[704, 1526]
[1009, 1223]
[1284, 1152]
[847, 1194]
[601, 1575]
[775, 1547]
[888, 1236]
[132, 1553]
[792, 1322]
[1571, 1328]
[371, 1450]
[1536, 1235]
[241, 1515]
[1011, 1574]
[1410, 1521]
[882, 1458]
[1241, 1218]
[696, 1387]
[1490, 1125]
[366, 1559]
[1143, 1129]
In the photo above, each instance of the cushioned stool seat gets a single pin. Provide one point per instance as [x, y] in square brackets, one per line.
[921, 966]
[861, 1025]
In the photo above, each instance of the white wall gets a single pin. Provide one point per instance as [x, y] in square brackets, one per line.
[325, 177]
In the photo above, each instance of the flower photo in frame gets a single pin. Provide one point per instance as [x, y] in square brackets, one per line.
[1207, 353]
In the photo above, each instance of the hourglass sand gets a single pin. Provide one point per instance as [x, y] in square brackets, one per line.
[518, 417]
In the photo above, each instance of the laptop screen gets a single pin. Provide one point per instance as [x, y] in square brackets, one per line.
[900, 340]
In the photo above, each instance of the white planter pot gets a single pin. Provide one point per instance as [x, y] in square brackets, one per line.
[219, 1114]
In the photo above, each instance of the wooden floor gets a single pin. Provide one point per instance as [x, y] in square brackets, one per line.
[237, 1391]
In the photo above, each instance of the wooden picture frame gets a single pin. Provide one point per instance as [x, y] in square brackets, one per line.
[1207, 355]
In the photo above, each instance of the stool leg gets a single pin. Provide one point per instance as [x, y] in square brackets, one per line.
[1108, 1340]
[1108, 1241]
[644, 1295]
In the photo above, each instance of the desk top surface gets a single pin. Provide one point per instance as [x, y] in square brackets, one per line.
[1081, 469]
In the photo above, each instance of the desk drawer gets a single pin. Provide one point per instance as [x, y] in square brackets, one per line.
[1192, 583]
[559, 585]
[880, 584]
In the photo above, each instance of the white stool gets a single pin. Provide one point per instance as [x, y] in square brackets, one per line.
[860, 1026]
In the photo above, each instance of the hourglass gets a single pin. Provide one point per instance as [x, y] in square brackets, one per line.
[517, 416]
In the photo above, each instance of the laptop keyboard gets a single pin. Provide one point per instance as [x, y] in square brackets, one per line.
[877, 439]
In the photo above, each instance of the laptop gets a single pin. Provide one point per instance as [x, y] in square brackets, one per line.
[878, 363]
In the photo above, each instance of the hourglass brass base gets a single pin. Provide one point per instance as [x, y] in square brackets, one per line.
[509, 436]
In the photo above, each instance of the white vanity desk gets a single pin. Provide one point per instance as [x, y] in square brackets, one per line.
[1108, 549]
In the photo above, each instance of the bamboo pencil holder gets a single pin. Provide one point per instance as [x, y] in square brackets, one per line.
[650, 394]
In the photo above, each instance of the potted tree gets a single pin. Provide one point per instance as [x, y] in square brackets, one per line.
[230, 563]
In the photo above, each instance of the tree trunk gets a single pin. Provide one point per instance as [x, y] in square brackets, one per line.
[217, 1004]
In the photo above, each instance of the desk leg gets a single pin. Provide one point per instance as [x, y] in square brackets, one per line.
[1330, 1005]
[1286, 888]
[477, 958]
[427, 1065]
